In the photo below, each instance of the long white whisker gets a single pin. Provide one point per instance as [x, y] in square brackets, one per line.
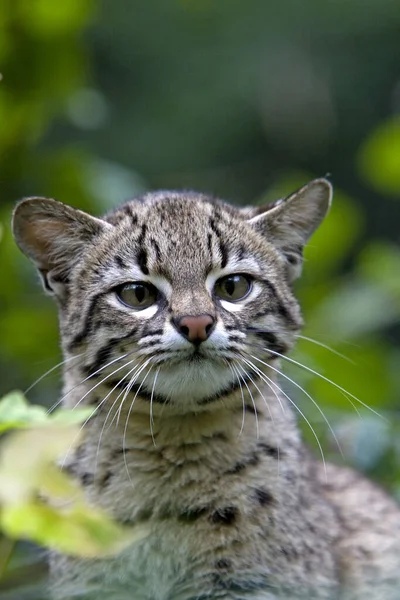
[271, 388]
[262, 396]
[63, 362]
[250, 364]
[308, 396]
[151, 407]
[102, 381]
[129, 387]
[89, 377]
[266, 379]
[242, 394]
[135, 372]
[336, 385]
[135, 368]
[96, 408]
[127, 420]
[308, 339]
[252, 400]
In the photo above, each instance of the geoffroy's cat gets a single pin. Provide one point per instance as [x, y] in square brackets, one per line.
[175, 310]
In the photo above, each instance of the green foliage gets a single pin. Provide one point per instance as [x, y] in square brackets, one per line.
[38, 501]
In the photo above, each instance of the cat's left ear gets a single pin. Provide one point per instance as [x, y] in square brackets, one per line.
[290, 222]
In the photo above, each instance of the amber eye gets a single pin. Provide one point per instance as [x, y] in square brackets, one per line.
[137, 295]
[233, 287]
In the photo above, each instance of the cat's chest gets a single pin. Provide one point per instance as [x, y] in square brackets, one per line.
[137, 483]
[198, 499]
[175, 469]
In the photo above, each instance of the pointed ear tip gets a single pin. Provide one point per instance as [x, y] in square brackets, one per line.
[324, 189]
[324, 183]
[27, 205]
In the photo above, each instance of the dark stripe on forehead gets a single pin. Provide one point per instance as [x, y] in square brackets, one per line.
[119, 261]
[209, 244]
[142, 252]
[223, 249]
[142, 261]
[156, 249]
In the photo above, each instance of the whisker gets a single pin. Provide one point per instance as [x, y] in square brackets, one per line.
[129, 387]
[308, 339]
[151, 407]
[94, 386]
[272, 389]
[308, 396]
[96, 408]
[336, 385]
[89, 377]
[252, 400]
[127, 421]
[136, 367]
[249, 363]
[268, 379]
[262, 396]
[63, 362]
[242, 394]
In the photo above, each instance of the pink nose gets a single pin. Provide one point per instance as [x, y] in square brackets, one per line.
[195, 329]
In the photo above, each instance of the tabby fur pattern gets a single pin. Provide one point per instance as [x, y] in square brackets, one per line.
[191, 435]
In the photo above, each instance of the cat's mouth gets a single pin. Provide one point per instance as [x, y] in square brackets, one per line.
[188, 376]
[195, 356]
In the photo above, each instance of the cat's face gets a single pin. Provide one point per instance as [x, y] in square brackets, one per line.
[176, 286]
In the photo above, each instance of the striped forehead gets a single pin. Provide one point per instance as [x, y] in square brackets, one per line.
[179, 239]
[176, 232]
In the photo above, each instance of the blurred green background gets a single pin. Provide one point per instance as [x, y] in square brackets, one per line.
[102, 100]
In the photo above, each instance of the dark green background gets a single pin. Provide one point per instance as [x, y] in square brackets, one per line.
[246, 100]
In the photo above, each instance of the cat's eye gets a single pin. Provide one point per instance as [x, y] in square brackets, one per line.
[233, 287]
[137, 295]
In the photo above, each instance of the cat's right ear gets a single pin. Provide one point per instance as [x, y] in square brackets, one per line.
[54, 236]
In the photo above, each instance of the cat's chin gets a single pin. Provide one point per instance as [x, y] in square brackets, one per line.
[193, 381]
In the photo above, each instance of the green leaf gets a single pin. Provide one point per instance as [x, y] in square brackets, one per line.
[38, 500]
[81, 531]
[16, 412]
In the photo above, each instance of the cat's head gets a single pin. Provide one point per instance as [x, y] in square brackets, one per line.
[179, 287]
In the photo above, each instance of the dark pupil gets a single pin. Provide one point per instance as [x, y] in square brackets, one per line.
[140, 292]
[230, 285]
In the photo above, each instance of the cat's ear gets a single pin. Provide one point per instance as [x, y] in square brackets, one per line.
[289, 223]
[54, 236]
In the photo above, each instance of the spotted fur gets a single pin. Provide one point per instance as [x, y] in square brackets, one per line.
[196, 440]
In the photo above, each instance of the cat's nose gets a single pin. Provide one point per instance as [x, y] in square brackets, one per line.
[195, 329]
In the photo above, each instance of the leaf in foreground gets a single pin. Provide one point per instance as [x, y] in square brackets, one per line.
[38, 501]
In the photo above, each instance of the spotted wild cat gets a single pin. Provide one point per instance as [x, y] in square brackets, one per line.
[177, 308]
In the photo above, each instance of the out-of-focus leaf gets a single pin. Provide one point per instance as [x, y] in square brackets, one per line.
[16, 412]
[81, 531]
[25, 457]
[41, 503]
[379, 158]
